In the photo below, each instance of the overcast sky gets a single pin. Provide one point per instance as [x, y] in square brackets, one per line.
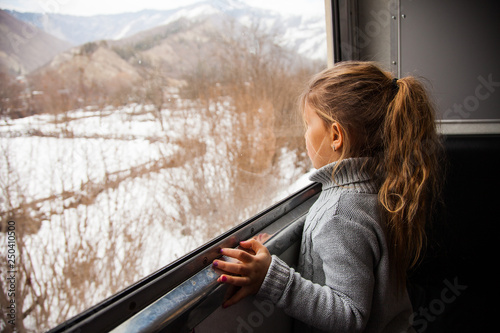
[95, 7]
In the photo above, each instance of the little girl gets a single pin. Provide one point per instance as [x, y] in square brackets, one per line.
[373, 142]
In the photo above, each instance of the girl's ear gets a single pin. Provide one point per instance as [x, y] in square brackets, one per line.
[336, 136]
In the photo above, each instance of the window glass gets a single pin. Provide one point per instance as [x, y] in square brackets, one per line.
[130, 137]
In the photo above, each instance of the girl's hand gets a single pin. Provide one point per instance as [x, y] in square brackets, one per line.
[248, 273]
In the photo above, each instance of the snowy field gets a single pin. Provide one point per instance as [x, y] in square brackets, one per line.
[105, 197]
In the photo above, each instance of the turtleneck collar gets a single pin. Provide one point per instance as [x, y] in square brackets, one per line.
[348, 175]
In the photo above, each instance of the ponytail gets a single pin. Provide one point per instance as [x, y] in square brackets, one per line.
[411, 182]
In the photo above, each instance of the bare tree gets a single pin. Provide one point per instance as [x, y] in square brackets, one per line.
[153, 90]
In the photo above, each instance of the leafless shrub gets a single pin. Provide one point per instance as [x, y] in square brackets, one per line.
[13, 102]
[261, 81]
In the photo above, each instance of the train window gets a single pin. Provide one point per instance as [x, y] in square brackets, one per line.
[132, 135]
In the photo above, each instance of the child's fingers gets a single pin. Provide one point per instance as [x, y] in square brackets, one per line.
[238, 281]
[248, 273]
[255, 246]
[237, 254]
[252, 244]
[229, 267]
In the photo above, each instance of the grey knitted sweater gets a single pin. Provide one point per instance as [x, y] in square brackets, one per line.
[342, 282]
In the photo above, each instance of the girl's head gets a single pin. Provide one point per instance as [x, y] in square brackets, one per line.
[352, 100]
[365, 112]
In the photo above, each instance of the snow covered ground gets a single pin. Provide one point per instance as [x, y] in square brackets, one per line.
[106, 197]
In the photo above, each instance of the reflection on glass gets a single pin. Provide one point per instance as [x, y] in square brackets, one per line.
[125, 152]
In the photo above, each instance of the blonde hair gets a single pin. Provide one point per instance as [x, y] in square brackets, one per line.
[393, 123]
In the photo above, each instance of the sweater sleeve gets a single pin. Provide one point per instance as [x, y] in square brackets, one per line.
[348, 252]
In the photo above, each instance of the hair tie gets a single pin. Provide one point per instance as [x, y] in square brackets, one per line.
[395, 85]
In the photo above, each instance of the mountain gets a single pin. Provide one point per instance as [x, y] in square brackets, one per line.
[96, 63]
[24, 47]
[212, 43]
[304, 34]
[166, 51]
